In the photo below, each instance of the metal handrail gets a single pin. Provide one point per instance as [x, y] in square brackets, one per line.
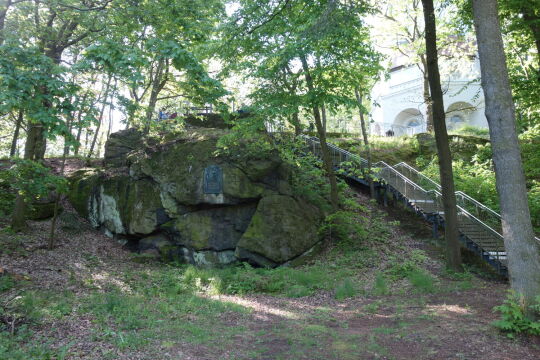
[410, 168]
[436, 193]
[476, 202]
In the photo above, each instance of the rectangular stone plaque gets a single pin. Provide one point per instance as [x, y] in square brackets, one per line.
[213, 180]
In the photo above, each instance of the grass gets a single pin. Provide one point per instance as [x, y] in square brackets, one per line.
[345, 290]
[157, 307]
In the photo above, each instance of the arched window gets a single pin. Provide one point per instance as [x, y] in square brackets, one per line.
[413, 123]
[456, 120]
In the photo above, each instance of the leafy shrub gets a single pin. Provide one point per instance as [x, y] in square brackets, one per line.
[513, 318]
[343, 225]
[30, 179]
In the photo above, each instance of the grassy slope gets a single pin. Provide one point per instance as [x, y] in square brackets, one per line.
[383, 295]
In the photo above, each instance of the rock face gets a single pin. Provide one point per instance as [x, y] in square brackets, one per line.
[120, 144]
[181, 201]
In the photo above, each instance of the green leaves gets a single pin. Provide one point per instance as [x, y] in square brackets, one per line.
[514, 318]
[33, 83]
[33, 180]
[266, 40]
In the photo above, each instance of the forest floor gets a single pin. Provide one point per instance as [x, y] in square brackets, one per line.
[387, 298]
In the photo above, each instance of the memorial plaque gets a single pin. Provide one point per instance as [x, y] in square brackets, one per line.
[213, 180]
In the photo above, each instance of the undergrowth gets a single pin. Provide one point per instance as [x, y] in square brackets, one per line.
[514, 319]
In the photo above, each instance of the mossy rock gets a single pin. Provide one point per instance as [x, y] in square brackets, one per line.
[179, 169]
[281, 229]
[83, 184]
[212, 229]
[120, 144]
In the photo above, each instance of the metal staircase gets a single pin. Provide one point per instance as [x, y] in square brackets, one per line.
[479, 226]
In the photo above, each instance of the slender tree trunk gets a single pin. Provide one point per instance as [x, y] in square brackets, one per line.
[522, 250]
[109, 130]
[100, 119]
[366, 141]
[327, 160]
[296, 123]
[87, 134]
[150, 110]
[427, 96]
[451, 233]
[70, 129]
[323, 116]
[33, 138]
[158, 83]
[56, 205]
[18, 124]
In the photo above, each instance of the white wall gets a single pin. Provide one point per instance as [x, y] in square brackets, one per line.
[400, 99]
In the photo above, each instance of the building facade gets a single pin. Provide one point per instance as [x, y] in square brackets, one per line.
[399, 107]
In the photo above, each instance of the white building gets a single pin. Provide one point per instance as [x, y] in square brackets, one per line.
[399, 107]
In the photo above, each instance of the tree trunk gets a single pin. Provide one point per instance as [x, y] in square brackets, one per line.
[3, 13]
[366, 141]
[427, 96]
[100, 119]
[157, 85]
[18, 124]
[70, 129]
[453, 254]
[79, 131]
[296, 123]
[522, 250]
[56, 205]
[323, 115]
[150, 110]
[18, 219]
[33, 138]
[327, 160]
[34, 142]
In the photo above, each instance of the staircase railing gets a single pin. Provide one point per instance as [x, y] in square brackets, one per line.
[477, 222]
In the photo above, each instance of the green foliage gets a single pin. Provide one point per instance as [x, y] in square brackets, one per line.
[32, 180]
[421, 280]
[6, 283]
[402, 267]
[345, 290]
[343, 225]
[33, 83]
[330, 36]
[380, 286]
[7, 195]
[308, 178]
[391, 150]
[514, 319]
[472, 131]
[247, 139]
[24, 345]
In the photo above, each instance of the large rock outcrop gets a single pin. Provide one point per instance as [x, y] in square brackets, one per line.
[183, 201]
